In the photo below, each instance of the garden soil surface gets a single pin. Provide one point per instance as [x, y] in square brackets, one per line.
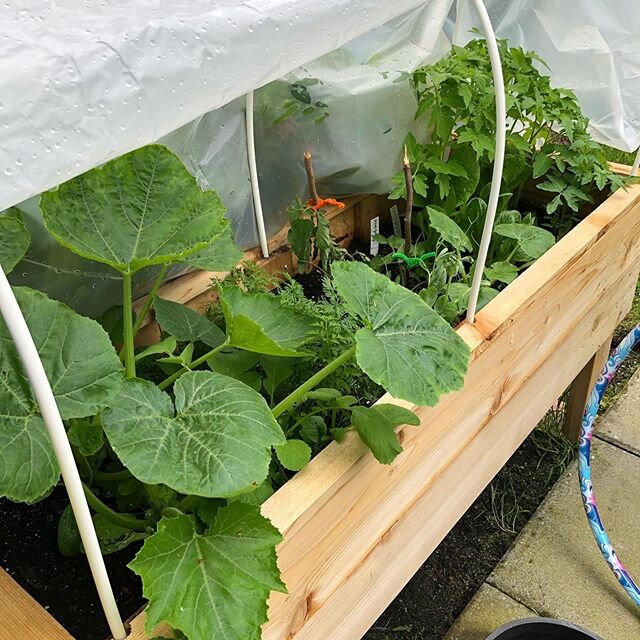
[29, 553]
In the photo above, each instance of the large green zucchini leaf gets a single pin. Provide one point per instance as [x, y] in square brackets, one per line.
[84, 372]
[215, 442]
[14, 239]
[215, 584]
[257, 322]
[140, 209]
[405, 345]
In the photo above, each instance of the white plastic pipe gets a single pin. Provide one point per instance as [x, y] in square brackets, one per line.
[498, 162]
[636, 164]
[253, 174]
[32, 364]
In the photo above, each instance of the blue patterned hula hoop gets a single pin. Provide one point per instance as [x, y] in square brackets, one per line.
[584, 465]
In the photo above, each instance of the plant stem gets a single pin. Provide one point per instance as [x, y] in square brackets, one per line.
[311, 178]
[513, 253]
[83, 463]
[408, 181]
[121, 519]
[295, 396]
[127, 347]
[465, 275]
[150, 298]
[112, 476]
[518, 195]
[297, 423]
[196, 363]
[189, 503]
[535, 132]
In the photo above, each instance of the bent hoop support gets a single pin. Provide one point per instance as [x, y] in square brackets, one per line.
[584, 465]
[43, 394]
[498, 161]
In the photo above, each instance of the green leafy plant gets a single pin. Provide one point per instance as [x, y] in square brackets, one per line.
[309, 236]
[176, 442]
[547, 145]
[547, 138]
[301, 103]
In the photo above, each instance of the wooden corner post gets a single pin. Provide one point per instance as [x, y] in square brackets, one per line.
[581, 388]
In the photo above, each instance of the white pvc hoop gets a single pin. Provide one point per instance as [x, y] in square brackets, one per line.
[253, 174]
[498, 163]
[43, 393]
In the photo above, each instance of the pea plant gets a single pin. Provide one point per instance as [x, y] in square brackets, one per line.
[547, 144]
[175, 442]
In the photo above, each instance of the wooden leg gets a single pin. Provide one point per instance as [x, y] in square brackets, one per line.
[581, 389]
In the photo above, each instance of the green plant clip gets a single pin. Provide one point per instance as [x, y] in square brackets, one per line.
[413, 262]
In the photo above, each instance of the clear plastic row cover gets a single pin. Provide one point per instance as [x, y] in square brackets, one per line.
[591, 47]
[330, 77]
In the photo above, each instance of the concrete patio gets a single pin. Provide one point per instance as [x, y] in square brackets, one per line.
[554, 568]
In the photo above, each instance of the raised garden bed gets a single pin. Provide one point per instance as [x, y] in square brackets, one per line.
[355, 530]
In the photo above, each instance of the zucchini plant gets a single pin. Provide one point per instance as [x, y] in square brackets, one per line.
[173, 441]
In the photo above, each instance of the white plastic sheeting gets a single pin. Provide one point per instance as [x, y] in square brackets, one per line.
[356, 147]
[366, 108]
[85, 83]
[592, 47]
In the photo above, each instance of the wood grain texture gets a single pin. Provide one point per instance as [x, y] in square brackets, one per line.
[22, 617]
[137, 629]
[356, 503]
[355, 531]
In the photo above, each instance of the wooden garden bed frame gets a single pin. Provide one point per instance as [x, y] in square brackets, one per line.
[354, 530]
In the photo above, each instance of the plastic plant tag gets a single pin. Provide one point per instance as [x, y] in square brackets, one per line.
[375, 230]
[395, 220]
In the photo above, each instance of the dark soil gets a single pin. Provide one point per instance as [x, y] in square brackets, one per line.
[29, 553]
[311, 284]
[430, 603]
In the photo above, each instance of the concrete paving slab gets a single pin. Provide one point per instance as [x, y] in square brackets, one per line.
[555, 567]
[621, 424]
[488, 611]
